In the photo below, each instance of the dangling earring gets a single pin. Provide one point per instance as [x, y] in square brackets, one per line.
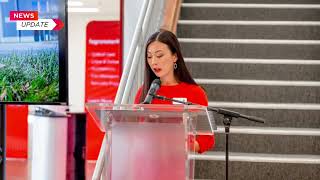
[175, 65]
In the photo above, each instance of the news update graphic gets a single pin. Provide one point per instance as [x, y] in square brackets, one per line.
[30, 50]
[41, 24]
[28, 20]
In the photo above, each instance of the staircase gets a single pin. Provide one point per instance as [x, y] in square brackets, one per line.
[261, 58]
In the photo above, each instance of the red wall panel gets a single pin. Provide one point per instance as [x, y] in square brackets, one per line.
[17, 131]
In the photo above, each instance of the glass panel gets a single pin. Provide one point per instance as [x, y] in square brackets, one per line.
[149, 141]
[104, 114]
[148, 151]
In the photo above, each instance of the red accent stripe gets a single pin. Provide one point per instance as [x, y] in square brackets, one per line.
[23, 15]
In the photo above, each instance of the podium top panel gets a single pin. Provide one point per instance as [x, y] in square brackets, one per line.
[142, 107]
[105, 115]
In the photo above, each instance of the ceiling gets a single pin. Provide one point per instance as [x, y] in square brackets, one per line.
[90, 6]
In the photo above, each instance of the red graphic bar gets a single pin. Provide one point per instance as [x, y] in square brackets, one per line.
[59, 24]
[24, 15]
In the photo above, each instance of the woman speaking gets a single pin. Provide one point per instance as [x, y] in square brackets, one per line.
[164, 61]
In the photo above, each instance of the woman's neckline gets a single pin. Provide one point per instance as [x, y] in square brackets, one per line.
[174, 85]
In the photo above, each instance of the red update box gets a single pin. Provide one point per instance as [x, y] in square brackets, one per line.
[23, 15]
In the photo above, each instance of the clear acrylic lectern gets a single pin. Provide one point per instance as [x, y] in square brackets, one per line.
[149, 142]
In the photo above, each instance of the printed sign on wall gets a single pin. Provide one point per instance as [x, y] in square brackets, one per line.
[103, 64]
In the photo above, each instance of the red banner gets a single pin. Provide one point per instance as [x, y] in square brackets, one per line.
[103, 72]
[103, 64]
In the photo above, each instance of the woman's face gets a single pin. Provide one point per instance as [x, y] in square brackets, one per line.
[161, 60]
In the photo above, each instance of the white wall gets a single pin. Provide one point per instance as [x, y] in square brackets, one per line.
[131, 14]
[77, 22]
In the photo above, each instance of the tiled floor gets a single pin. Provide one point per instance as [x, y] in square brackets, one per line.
[18, 169]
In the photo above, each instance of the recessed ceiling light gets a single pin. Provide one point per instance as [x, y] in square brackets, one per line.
[83, 10]
[75, 3]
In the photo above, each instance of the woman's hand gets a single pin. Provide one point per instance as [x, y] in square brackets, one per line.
[196, 146]
[193, 144]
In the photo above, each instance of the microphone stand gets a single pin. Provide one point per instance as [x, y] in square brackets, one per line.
[227, 119]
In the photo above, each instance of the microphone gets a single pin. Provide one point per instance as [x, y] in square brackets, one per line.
[155, 85]
[221, 111]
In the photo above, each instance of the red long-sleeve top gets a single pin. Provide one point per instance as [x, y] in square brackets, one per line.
[191, 93]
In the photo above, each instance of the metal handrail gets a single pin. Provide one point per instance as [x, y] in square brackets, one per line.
[132, 52]
[134, 58]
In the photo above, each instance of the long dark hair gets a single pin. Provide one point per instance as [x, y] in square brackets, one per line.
[181, 73]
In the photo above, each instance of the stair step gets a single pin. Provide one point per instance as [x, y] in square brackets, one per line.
[275, 114]
[244, 166]
[262, 14]
[264, 105]
[249, 32]
[250, 5]
[282, 118]
[249, 23]
[252, 82]
[258, 157]
[269, 131]
[286, 72]
[256, 1]
[309, 117]
[262, 143]
[263, 51]
[262, 93]
[252, 61]
[250, 41]
[261, 139]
